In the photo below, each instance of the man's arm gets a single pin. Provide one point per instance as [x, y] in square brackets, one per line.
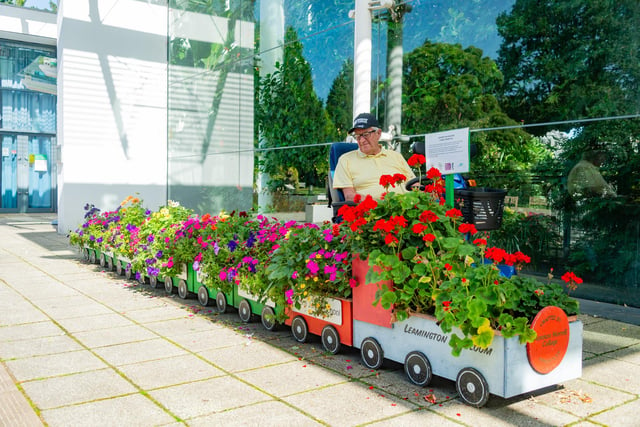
[349, 193]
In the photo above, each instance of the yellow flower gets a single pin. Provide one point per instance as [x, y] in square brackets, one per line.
[302, 285]
[315, 279]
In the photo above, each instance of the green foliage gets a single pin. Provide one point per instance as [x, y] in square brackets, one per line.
[435, 264]
[448, 87]
[340, 101]
[290, 114]
[311, 264]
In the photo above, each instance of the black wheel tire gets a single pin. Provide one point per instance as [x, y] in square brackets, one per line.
[110, 264]
[418, 368]
[299, 329]
[371, 353]
[168, 285]
[221, 302]
[103, 260]
[119, 268]
[330, 339]
[203, 296]
[268, 318]
[92, 257]
[472, 387]
[183, 291]
[85, 254]
[153, 282]
[244, 311]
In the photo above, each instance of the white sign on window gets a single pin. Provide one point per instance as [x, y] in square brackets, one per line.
[448, 151]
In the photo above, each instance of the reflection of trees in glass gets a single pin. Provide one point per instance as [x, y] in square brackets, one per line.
[340, 101]
[289, 113]
[579, 59]
[447, 87]
[469, 23]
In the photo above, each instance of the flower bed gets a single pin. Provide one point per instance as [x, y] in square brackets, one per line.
[420, 263]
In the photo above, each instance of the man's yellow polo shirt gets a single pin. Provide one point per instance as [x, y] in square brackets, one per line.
[362, 172]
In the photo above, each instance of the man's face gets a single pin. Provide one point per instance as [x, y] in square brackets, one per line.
[368, 140]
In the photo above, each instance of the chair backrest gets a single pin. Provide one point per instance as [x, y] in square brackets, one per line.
[336, 150]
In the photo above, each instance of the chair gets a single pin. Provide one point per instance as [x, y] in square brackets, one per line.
[511, 201]
[335, 196]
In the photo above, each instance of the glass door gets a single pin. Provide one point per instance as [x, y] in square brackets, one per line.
[26, 179]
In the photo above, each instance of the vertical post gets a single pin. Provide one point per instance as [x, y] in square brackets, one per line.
[362, 59]
[272, 52]
[448, 186]
[394, 74]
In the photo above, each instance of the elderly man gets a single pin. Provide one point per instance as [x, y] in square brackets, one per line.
[359, 171]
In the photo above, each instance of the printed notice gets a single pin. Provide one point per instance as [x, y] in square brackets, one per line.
[448, 151]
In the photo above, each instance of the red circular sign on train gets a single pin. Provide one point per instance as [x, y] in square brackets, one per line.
[547, 351]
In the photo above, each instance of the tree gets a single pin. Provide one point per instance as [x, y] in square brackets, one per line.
[448, 87]
[289, 113]
[572, 60]
[340, 100]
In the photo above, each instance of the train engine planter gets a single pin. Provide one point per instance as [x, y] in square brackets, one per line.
[506, 368]
[335, 328]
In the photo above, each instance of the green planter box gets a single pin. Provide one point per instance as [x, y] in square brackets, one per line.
[248, 306]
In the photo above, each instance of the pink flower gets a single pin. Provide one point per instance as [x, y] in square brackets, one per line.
[288, 294]
[294, 276]
[313, 267]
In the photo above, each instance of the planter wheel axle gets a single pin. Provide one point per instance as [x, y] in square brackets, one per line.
[268, 318]
[330, 339]
[203, 296]
[299, 329]
[371, 353]
[472, 387]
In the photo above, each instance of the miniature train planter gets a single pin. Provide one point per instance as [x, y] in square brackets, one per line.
[506, 368]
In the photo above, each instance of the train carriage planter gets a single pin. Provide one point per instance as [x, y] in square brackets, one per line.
[506, 368]
[250, 305]
[335, 329]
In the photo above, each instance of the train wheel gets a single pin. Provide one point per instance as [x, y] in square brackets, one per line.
[119, 268]
[330, 339]
[168, 285]
[268, 317]
[127, 272]
[85, 254]
[153, 281]
[472, 387]
[141, 279]
[203, 296]
[221, 302]
[103, 260]
[92, 257]
[183, 292]
[110, 264]
[371, 352]
[244, 311]
[418, 368]
[299, 329]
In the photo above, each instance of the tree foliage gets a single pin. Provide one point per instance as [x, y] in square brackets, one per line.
[340, 100]
[448, 87]
[289, 113]
[572, 60]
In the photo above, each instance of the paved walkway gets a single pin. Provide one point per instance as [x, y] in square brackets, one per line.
[82, 346]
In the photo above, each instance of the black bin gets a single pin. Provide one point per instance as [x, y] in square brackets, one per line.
[481, 206]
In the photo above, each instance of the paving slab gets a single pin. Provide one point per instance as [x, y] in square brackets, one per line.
[208, 397]
[130, 411]
[54, 364]
[77, 388]
[264, 414]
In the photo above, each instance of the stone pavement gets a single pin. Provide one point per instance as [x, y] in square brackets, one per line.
[81, 346]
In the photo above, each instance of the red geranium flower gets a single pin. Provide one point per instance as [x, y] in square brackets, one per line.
[416, 159]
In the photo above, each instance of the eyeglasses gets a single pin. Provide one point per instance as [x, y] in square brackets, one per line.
[363, 135]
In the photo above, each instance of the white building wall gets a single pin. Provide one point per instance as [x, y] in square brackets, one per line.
[27, 25]
[112, 105]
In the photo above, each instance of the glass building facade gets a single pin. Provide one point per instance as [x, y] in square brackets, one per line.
[549, 91]
[27, 127]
